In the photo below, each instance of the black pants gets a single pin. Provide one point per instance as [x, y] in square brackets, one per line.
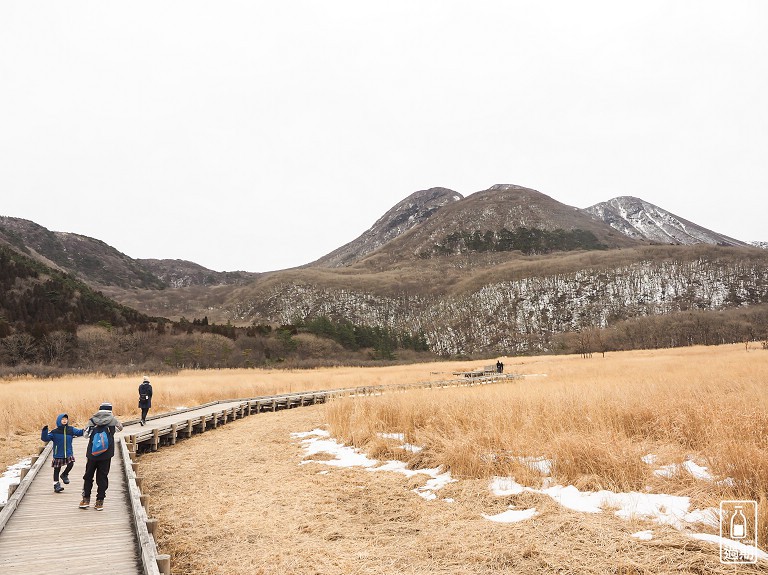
[144, 411]
[101, 468]
[65, 473]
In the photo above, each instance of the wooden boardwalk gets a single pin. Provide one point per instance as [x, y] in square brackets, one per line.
[49, 534]
[42, 532]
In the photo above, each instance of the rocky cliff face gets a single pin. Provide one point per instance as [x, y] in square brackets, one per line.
[521, 316]
[642, 220]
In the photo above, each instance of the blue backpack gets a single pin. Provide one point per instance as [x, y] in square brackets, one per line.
[100, 441]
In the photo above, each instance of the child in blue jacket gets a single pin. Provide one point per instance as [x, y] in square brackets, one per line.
[62, 448]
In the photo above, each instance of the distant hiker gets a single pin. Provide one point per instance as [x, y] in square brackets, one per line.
[62, 448]
[145, 399]
[499, 366]
[101, 447]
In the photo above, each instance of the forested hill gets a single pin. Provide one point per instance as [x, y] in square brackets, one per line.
[36, 301]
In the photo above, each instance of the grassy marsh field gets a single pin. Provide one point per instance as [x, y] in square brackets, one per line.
[594, 419]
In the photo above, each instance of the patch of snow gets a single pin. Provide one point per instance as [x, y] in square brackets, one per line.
[11, 476]
[540, 464]
[644, 535]
[697, 471]
[748, 550]
[650, 459]
[411, 448]
[512, 515]
[397, 436]
[438, 481]
[503, 486]
[667, 470]
[663, 509]
[350, 457]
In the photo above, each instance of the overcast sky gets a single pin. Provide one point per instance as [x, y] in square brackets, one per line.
[262, 135]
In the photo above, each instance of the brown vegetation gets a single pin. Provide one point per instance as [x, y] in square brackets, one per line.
[251, 508]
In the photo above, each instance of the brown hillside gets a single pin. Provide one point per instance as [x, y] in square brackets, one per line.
[501, 207]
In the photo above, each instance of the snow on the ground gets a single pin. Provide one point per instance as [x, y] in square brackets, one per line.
[748, 550]
[664, 509]
[512, 515]
[345, 456]
[540, 464]
[697, 471]
[672, 469]
[12, 477]
[401, 438]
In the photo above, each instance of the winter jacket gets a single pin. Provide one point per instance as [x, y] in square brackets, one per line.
[61, 437]
[145, 395]
[102, 419]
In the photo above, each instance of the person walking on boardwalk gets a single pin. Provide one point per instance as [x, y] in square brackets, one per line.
[63, 456]
[101, 448]
[145, 399]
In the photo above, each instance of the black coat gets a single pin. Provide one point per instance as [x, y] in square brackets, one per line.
[145, 391]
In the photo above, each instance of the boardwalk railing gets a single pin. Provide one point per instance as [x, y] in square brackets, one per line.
[202, 418]
[17, 491]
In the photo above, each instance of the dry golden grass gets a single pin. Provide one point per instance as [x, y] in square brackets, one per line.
[595, 418]
[253, 509]
[28, 404]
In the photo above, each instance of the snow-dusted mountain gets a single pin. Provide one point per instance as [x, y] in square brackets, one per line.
[763, 245]
[642, 220]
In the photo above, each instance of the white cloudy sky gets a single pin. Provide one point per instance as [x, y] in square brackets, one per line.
[261, 135]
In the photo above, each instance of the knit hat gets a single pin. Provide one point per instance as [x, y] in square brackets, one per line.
[106, 406]
[146, 378]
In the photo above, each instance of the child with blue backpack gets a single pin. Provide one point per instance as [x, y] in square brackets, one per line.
[100, 430]
[63, 456]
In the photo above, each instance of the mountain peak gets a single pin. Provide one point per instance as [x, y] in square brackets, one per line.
[407, 214]
[643, 220]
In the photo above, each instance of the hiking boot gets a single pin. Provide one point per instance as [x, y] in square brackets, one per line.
[85, 503]
[57, 487]
[99, 505]
[65, 479]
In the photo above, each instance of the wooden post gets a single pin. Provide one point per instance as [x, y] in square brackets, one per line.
[11, 489]
[173, 434]
[132, 456]
[215, 420]
[274, 405]
[151, 526]
[135, 468]
[189, 428]
[202, 423]
[34, 460]
[40, 449]
[145, 503]
[155, 438]
[164, 564]
[23, 473]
